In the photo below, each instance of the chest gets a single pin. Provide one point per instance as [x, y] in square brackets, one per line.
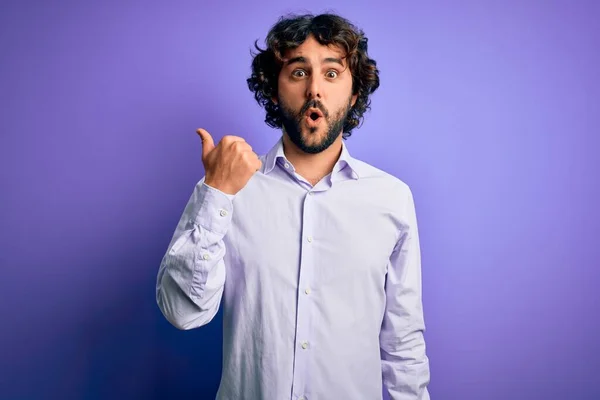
[334, 236]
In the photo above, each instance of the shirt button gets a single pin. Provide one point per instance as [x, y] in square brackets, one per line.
[311, 193]
[287, 165]
[309, 239]
[206, 257]
[223, 213]
[307, 291]
[304, 345]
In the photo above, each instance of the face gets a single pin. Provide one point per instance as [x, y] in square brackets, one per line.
[315, 95]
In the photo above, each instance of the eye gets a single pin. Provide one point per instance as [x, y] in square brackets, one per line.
[332, 74]
[299, 73]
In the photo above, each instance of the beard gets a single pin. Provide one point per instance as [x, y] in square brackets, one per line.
[292, 124]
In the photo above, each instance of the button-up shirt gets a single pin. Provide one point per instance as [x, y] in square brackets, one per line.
[320, 285]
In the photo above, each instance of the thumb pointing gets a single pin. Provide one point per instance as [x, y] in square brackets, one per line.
[208, 143]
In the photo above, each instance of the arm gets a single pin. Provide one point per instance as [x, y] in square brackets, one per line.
[405, 366]
[192, 273]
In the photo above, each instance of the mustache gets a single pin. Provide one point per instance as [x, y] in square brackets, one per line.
[314, 104]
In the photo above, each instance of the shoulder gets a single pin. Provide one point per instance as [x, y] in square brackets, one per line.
[389, 184]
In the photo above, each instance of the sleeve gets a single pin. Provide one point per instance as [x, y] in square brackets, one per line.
[191, 276]
[404, 363]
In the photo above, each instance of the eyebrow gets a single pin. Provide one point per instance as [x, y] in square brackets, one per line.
[302, 60]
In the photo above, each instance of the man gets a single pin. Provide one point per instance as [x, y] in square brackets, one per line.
[313, 254]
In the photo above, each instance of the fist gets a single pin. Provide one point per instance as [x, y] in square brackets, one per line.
[229, 165]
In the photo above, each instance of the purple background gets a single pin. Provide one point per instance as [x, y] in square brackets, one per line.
[490, 112]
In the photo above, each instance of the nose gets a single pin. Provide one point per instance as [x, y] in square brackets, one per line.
[313, 90]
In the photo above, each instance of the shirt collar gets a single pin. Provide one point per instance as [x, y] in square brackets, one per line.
[346, 165]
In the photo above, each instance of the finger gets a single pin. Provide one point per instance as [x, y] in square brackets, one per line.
[242, 146]
[230, 139]
[208, 143]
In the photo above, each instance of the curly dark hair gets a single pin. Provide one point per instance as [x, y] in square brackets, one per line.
[290, 32]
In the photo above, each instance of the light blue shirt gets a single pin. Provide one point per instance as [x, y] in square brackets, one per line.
[320, 285]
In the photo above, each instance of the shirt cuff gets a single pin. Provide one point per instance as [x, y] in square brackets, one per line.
[215, 210]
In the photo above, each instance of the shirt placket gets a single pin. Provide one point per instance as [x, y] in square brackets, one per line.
[304, 346]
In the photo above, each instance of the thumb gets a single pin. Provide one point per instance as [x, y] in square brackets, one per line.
[208, 143]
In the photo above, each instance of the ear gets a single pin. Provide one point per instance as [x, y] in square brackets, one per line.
[274, 100]
[354, 98]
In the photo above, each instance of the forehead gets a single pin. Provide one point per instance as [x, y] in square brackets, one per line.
[314, 51]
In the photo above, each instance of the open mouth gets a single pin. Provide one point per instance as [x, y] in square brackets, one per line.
[313, 115]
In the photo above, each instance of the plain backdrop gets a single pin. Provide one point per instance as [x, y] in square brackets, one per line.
[489, 111]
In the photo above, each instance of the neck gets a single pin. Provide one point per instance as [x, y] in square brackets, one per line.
[312, 167]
